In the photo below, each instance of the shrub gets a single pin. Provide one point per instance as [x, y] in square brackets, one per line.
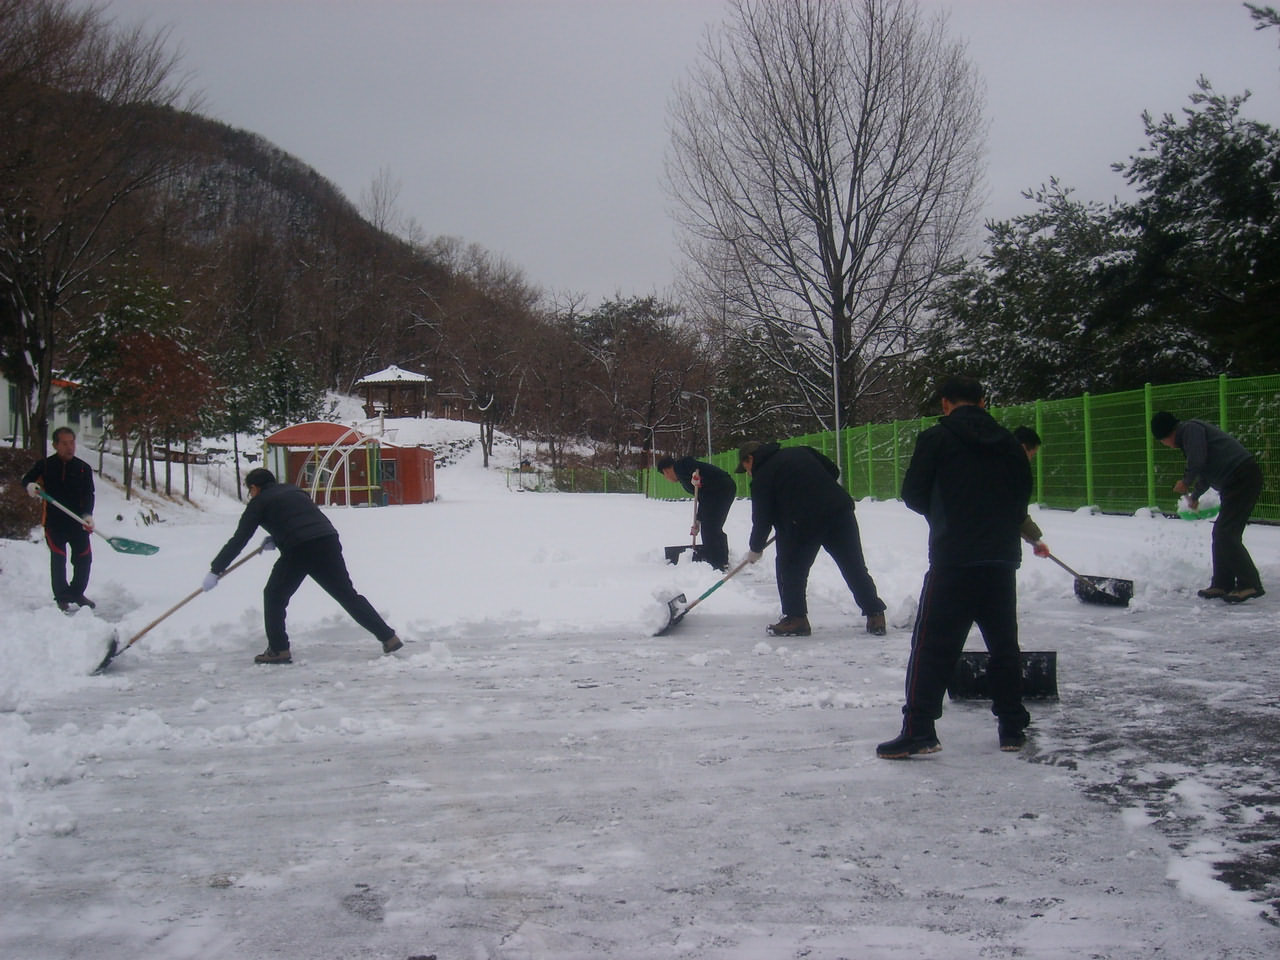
[18, 512]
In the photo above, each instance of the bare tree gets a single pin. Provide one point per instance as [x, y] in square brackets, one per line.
[825, 161]
[379, 201]
[82, 110]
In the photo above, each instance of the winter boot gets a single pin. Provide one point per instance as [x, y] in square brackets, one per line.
[391, 644]
[274, 656]
[789, 627]
[917, 736]
[1211, 593]
[1012, 730]
[876, 624]
[1243, 594]
[83, 601]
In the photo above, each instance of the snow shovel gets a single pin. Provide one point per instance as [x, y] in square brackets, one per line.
[673, 553]
[1039, 676]
[115, 649]
[1104, 591]
[119, 544]
[675, 615]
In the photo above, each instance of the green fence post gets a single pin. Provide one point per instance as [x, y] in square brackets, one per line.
[897, 476]
[1147, 413]
[1222, 402]
[1088, 451]
[1040, 456]
[871, 467]
[847, 480]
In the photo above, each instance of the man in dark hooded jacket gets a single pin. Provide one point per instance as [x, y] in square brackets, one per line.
[970, 478]
[309, 547]
[715, 491]
[796, 492]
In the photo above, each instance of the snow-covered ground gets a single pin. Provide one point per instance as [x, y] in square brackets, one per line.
[537, 775]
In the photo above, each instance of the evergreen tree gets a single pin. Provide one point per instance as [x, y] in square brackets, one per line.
[1208, 227]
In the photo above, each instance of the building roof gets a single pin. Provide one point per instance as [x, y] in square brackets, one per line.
[394, 374]
[314, 434]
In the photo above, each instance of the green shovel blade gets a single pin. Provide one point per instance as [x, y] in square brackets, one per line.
[136, 547]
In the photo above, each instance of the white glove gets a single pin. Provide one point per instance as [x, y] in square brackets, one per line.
[210, 581]
[754, 556]
[693, 531]
[87, 520]
[268, 544]
[33, 488]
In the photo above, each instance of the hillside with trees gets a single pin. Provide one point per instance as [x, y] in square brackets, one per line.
[196, 279]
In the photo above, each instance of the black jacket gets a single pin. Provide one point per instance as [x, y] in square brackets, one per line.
[716, 483]
[971, 479]
[70, 482]
[793, 486]
[285, 512]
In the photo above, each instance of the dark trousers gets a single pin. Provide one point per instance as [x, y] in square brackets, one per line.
[798, 548]
[64, 542]
[322, 561]
[952, 601]
[712, 512]
[1233, 568]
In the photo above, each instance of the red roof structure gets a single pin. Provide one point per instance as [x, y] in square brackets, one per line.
[314, 434]
[338, 464]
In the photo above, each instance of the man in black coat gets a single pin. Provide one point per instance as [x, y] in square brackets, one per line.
[309, 547]
[971, 479]
[716, 492]
[796, 492]
[69, 480]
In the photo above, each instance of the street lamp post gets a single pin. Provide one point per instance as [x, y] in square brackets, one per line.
[686, 395]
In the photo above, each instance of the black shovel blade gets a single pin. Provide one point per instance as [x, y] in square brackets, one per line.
[676, 608]
[673, 553]
[113, 650]
[1039, 676]
[1104, 591]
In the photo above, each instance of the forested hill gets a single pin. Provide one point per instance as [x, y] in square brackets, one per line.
[266, 253]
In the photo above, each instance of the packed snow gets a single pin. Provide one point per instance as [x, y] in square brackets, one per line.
[536, 774]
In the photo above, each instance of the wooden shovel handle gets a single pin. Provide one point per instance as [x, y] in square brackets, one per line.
[187, 599]
[1065, 567]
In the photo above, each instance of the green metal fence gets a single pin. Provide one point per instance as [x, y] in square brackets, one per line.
[1098, 450]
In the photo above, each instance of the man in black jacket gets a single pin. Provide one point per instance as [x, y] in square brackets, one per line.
[795, 491]
[309, 547]
[972, 481]
[69, 480]
[1217, 459]
[716, 492]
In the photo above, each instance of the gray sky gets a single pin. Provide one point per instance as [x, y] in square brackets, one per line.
[536, 128]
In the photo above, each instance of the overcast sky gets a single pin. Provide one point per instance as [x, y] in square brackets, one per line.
[536, 128]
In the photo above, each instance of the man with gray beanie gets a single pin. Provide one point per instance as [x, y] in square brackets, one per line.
[1217, 459]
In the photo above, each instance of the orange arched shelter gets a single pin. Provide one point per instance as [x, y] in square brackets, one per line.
[338, 464]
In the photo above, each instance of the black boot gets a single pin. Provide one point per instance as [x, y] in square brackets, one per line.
[917, 736]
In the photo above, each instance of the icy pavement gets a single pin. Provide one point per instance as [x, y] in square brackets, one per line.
[705, 794]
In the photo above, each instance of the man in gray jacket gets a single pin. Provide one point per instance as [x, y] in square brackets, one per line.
[1217, 459]
[309, 547]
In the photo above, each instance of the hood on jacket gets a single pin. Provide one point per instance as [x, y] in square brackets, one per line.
[976, 428]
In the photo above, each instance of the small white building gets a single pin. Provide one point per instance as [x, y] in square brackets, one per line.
[63, 412]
